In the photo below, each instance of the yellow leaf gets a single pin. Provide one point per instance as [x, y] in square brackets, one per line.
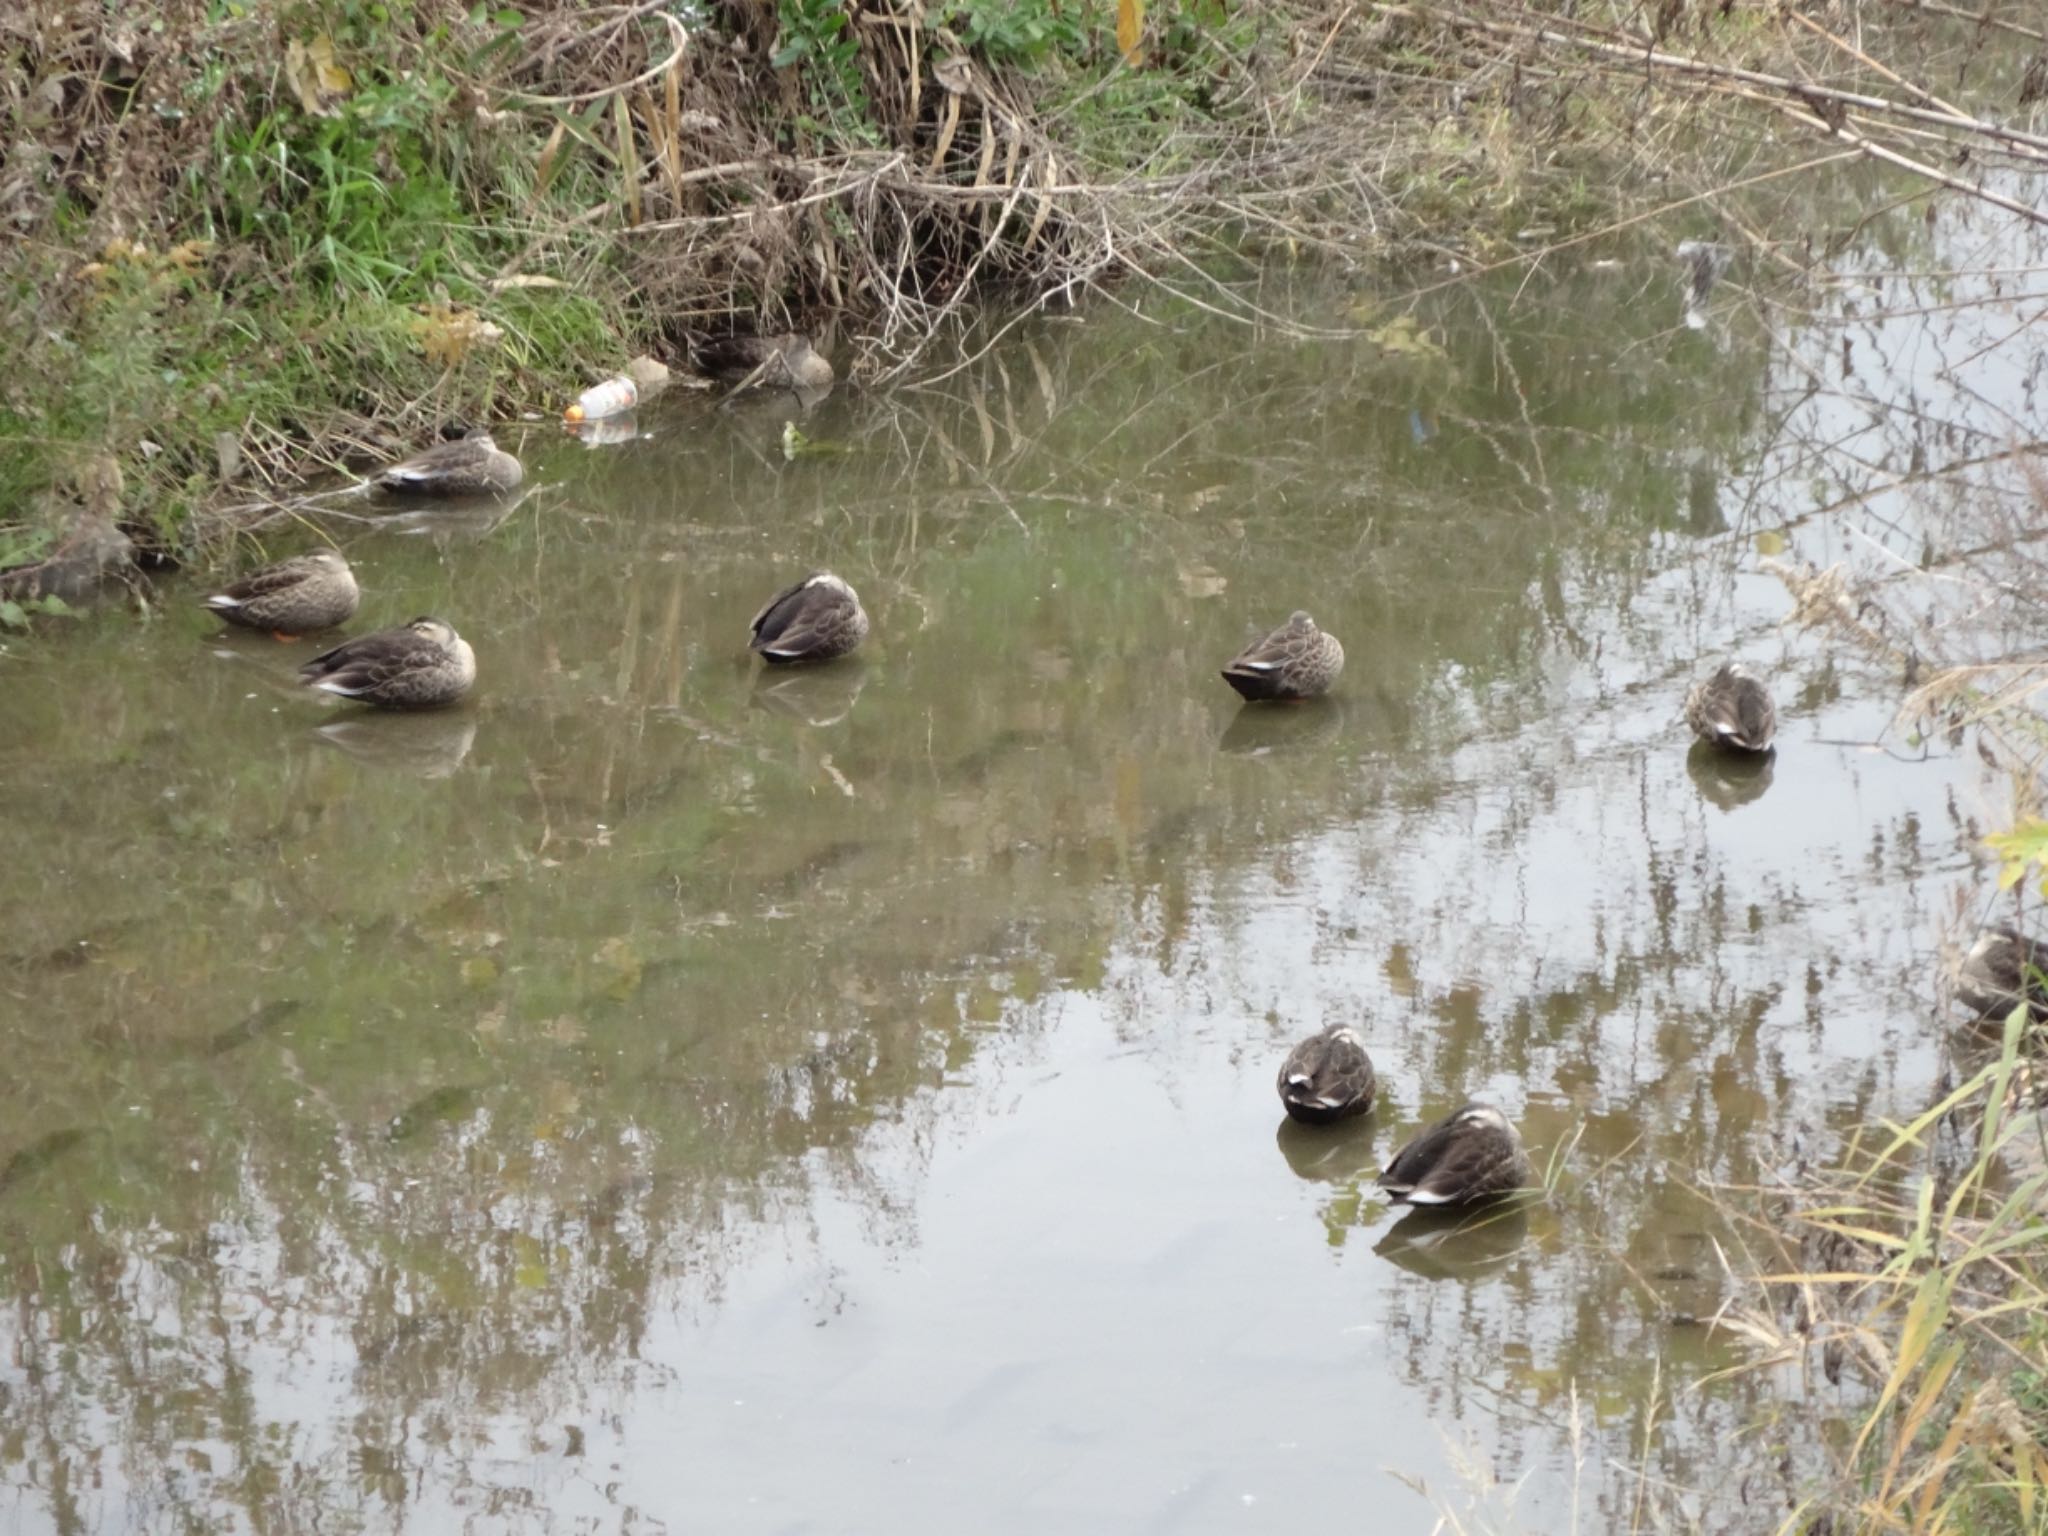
[314, 76]
[1770, 542]
[1130, 28]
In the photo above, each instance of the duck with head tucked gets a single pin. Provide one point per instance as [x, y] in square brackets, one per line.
[294, 597]
[421, 665]
[788, 361]
[1732, 710]
[2003, 969]
[470, 465]
[1472, 1154]
[816, 619]
[1296, 661]
[1328, 1077]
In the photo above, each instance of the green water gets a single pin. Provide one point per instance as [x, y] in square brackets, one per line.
[659, 1096]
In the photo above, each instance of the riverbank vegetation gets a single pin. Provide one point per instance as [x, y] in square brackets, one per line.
[254, 238]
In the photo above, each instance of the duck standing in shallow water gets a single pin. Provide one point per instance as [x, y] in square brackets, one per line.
[421, 665]
[1732, 710]
[1471, 1154]
[294, 597]
[816, 620]
[1327, 1077]
[470, 465]
[1296, 661]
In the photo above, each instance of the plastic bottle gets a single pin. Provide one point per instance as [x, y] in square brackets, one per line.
[601, 400]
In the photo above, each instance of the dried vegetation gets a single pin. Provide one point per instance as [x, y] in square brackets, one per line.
[251, 237]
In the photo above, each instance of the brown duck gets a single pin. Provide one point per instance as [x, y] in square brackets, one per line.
[1296, 661]
[817, 619]
[1732, 710]
[294, 597]
[2003, 968]
[1327, 1077]
[1470, 1155]
[788, 361]
[420, 665]
[470, 465]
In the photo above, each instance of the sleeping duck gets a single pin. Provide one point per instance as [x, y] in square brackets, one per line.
[420, 665]
[817, 619]
[294, 597]
[1732, 710]
[1296, 661]
[1327, 1077]
[1472, 1154]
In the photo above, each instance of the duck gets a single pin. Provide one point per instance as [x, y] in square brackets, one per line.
[470, 465]
[1732, 710]
[1706, 263]
[1328, 1077]
[294, 597]
[2002, 968]
[788, 361]
[816, 619]
[1296, 661]
[1472, 1154]
[420, 665]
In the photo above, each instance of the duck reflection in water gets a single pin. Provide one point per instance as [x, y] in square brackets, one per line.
[1729, 780]
[426, 746]
[1306, 724]
[1335, 1154]
[1441, 1244]
[810, 695]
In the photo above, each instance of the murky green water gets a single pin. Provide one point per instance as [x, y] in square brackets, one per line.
[650, 1099]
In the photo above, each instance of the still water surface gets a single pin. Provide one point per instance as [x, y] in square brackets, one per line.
[658, 1097]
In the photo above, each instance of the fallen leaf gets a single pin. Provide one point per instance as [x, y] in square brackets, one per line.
[314, 76]
[1130, 29]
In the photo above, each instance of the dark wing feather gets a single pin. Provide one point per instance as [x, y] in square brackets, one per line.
[804, 620]
[1414, 1162]
[778, 613]
[370, 662]
[1455, 1162]
[1755, 713]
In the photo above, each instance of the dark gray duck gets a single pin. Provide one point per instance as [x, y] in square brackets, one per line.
[420, 665]
[470, 465]
[294, 597]
[1327, 1077]
[2003, 967]
[817, 619]
[787, 361]
[1296, 661]
[1706, 263]
[1732, 710]
[1470, 1155]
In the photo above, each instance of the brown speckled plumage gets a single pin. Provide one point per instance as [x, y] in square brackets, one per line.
[2002, 967]
[473, 465]
[299, 596]
[420, 665]
[1327, 1077]
[1732, 709]
[1471, 1154]
[1296, 661]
